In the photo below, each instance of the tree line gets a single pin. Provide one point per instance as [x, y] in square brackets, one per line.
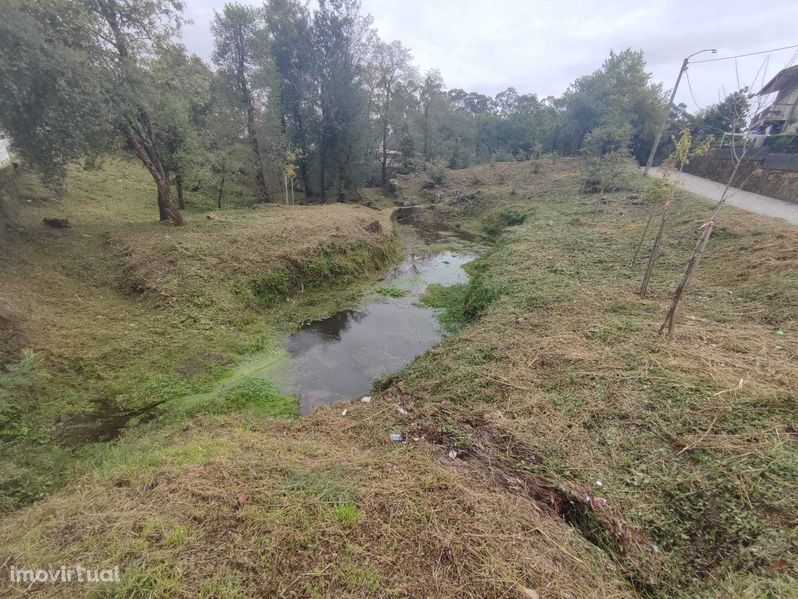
[313, 99]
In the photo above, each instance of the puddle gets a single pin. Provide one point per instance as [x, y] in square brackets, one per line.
[340, 357]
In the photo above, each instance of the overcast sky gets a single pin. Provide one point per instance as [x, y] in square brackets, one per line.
[541, 46]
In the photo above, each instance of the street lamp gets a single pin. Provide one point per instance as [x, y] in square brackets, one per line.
[668, 107]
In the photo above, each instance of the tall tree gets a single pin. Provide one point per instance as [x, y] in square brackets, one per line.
[392, 70]
[183, 103]
[236, 32]
[620, 92]
[86, 81]
[289, 30]
[341, 39]
[430, 92]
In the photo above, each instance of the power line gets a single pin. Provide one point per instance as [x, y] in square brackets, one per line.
[690, 85]
[743, 55]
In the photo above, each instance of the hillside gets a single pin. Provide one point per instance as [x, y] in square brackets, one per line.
[554, 445]
[117, 312]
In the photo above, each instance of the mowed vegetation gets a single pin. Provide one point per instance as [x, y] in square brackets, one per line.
[554, 444]
[116, 313]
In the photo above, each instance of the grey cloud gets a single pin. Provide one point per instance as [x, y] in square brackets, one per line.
[541, 46]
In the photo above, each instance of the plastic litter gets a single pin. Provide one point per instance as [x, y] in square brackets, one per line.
[396, 437]
[344, 412]
[366, 398]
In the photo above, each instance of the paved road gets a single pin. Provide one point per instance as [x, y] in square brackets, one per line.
[745, 200]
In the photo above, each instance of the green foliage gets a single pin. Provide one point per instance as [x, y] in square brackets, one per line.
[620, 93]
[391, 291]
[54, 101]
[347, 514]
[450, 300]
[436, 173]
[341, 263]
[259, 397]
[495, 223]
[460, 304]
[728, 116]
[606, 151]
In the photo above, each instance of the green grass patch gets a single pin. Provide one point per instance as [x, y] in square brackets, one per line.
[391, 291]
[341, 263]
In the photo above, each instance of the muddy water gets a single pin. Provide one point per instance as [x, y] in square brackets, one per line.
[340, 357]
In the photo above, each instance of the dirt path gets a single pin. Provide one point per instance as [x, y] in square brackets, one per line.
[745, 200]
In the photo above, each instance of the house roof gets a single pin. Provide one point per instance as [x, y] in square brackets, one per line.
[783, 79]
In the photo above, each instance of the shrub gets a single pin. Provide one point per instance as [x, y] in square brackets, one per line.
[436, 172]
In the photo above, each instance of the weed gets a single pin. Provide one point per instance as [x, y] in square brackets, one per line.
[391, 291]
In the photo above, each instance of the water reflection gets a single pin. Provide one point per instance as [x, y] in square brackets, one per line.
[341, 356]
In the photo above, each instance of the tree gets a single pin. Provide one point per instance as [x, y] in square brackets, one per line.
[606, 152]
[85, 81]
[341, 39]
[289, 32]
[723, 117]
[222, 146]
[53, 99]
[392, 70]
[682, 155]
[430, 93]
[739, 116]
[620, 92]
[236, 33]
[183, 103]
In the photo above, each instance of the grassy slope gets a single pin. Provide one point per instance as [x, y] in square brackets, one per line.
[559, 383]
[693, 438]
[122, 312]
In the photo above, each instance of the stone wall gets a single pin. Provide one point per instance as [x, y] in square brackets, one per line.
[751, 176]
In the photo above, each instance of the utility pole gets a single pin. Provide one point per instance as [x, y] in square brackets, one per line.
[668, 109]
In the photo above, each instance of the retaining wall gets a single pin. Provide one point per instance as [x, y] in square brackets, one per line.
[773, 175]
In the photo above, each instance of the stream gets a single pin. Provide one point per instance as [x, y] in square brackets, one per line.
[341, 356]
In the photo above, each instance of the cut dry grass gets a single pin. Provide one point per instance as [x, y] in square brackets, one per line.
[563, 447]
[326, 507]
[691, 440]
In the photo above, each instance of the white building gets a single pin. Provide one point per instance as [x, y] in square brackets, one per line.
[5, 153]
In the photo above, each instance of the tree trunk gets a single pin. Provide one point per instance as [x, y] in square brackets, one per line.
[221, 191]
[299, 140]
[384, 153]
[426, 133]
[304, 174]
[698, 252]
[163, 213]
[643, 237]
[167, 210]
[322, 179]
[652, 259]
[181, 202]
[261, 192]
